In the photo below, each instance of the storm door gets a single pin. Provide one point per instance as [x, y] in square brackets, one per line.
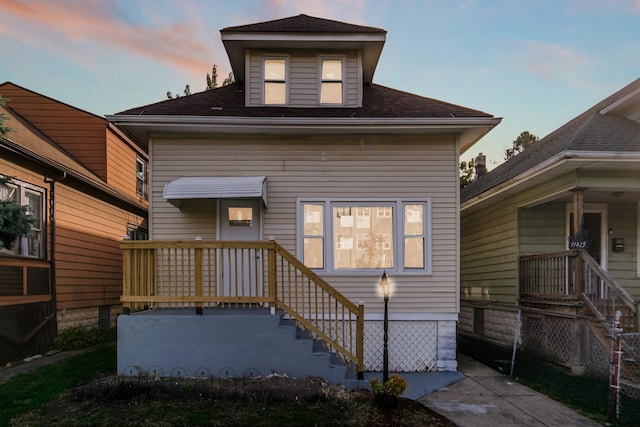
[240, 268]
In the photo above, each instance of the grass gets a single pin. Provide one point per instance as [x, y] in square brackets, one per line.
[31, 390]
[586, 395]
[81, 391]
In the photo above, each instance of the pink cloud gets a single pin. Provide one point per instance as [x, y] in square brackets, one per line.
[552, 61]
[66, 27]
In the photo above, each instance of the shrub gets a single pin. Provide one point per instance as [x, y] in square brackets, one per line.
[394, 386]
[79, 337]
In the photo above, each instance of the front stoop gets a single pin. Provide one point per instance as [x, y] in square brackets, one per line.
[222, 343]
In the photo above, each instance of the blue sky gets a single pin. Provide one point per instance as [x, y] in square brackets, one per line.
[536, 64]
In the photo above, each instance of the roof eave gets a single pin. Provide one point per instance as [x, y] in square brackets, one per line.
[469, 129]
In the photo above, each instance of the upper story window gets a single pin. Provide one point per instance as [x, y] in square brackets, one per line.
[342, 236]
[275, 81]
[32, 197]
[331, 84]
[141, 177]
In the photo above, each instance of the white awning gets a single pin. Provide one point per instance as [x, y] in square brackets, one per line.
[216, 187]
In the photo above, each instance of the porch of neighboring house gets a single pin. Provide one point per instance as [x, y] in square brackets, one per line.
[572, 311]
[27, 308]
[233, 308]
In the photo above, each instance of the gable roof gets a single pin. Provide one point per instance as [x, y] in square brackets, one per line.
[303, 32]
[605, 129]
[302, 24]
[27, 141]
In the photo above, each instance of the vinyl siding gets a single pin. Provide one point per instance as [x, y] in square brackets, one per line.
[303, 77]
[88, 256]
[623, 221]
[121, 166]
[352, 167]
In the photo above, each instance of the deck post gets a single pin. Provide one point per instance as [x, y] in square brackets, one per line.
[578, 224]
[273, 289]
[198, 277]
[360, 340]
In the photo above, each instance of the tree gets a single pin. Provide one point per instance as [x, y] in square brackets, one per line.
[3, 129]
[15, 220]
[467, 171]
[212, 80]
[521, 143]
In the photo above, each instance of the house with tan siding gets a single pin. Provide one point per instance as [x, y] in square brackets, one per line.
[549, 239]
[295, 188]
[78, 176]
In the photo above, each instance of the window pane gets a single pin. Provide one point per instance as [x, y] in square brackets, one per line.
[331, 69]
[240, 217]
[331, 93]
[361, 240]
[34, 237]
[314, 252]
[413, 220]
[313, 220]
[414, 252]
[274, 93]
[274, 69]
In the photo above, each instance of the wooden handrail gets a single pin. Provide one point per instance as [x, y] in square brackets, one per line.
[554, 275]
[219, 274]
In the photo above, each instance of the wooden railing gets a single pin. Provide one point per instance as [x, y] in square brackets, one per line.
[24, 280]
[222, 274]
[575, 275]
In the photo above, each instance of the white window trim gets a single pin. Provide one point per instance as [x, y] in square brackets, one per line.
[22, 188]
[145, 174]
[398, 233]
[343, 60]
[287, 78]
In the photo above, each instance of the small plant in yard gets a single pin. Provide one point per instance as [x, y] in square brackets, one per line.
[79, 337]
[394, 386]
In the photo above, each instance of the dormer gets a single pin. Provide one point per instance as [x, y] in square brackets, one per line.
[303, 61]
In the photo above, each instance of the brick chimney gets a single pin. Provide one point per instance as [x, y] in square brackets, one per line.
[481, 165]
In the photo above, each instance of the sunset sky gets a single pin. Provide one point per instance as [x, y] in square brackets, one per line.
[537, 64]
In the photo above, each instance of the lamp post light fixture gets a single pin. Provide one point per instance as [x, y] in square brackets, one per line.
[384, 284]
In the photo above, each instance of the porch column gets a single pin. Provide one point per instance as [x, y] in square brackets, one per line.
[578, 223]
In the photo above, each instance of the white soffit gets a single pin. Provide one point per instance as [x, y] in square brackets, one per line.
[216, 187]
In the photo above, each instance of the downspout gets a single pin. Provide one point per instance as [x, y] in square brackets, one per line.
[52, 259]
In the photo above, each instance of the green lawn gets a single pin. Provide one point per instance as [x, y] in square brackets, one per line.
[31, 390]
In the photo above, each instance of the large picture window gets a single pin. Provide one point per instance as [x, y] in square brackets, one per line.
[339, 236]
[32, 197]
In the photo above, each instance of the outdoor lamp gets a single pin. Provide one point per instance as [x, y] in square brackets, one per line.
[384, 284]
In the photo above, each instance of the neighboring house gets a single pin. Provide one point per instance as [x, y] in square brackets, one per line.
[307, 160]
[78, 176]
[519, 226]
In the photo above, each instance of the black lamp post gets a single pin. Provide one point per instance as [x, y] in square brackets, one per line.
[384, 284]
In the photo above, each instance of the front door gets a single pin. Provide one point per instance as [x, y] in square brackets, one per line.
[240, 269]
[594, 222]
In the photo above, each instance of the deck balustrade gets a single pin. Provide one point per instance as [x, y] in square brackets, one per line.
[573, 274]
[222, 274]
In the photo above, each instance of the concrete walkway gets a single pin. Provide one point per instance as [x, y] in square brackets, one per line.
[485, 397]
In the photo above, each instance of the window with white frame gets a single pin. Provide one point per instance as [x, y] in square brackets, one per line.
[141, 177]
[32, 198]
[342, 236]
[331, 82]
[274, 72]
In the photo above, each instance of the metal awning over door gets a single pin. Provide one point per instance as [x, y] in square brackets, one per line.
[216, 187]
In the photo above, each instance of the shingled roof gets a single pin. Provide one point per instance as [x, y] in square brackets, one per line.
[378, 102]
[302, 24]
[589, 132]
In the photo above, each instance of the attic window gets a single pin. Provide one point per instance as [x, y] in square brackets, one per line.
[331, 80]
[275, 83]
